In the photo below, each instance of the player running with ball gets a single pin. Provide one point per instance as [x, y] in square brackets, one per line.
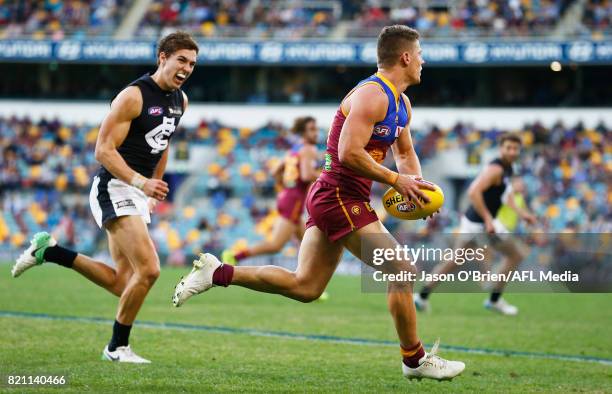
[372, 117]
[132, 150]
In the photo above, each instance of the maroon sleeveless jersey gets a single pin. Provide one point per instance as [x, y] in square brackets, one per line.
[383, 136]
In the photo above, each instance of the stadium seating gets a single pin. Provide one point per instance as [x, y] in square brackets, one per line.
[279, 19]
[597, 17]
[463, 18]
[46, 167]
[57, 19]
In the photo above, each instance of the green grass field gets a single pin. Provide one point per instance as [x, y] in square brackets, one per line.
[211, 360]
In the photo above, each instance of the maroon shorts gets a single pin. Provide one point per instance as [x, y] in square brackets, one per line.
[335, 213]
[290, 204]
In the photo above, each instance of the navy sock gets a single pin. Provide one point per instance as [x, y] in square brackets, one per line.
[425, 293]
[495, 296]
[121, 336]
[58, 255]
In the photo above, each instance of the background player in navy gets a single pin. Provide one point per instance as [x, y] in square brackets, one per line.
[132, 149]
[486, 196]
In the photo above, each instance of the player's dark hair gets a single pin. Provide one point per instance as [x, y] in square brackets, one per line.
[392, 40]
[512, 137]
[175, 42]
[299, 125]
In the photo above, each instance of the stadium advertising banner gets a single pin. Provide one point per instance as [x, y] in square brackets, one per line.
[358, 53]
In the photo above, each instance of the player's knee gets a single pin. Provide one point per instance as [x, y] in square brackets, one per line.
[400, 287]
[308, 293]
[149, 275]
[399, 267]
[153, 273]
[307, 296]
[148, 265]
[117, 289]
[516, 256]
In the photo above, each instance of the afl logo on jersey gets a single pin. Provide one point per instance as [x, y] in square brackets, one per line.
[159, 136]
[156, 111]
[381, 130]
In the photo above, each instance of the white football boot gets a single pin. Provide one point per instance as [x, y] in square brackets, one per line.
[501, 306]
[432, 366]
[422, 305]
[33, 255]
[123, 354]
[198, 280]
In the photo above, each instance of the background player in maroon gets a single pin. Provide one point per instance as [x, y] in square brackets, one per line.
[294, 177]
[372, 117]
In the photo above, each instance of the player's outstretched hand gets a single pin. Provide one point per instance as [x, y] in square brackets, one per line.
[156, 188]
[530, 219]
[410, 186]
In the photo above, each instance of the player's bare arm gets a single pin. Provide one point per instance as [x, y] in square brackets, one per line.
[160, 169]
[367, 106]
[185, 102]
[158, 173]
[523, 213]
[308, 156]
[277, 173]
[405, 156]
[489, 177]
[113, 131]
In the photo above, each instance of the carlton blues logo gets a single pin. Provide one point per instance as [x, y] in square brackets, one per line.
[159, 136]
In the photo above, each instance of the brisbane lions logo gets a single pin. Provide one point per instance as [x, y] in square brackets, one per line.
[159, 136]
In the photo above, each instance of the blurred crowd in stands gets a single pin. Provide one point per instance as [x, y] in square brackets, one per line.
[597, 17]
[241, 18]
[59, 19]
[463, 18]
[46, 169]
[284, 19]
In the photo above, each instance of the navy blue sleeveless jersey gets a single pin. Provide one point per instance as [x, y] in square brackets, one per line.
[150, 132]
[493, 195]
